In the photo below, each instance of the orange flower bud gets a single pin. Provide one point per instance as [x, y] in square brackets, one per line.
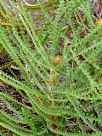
[57, 60]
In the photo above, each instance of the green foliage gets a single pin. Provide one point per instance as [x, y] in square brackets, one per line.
[61, 66]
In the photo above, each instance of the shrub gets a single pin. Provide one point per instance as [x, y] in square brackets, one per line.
[60, 65]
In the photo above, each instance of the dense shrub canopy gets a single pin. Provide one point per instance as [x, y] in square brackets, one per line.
[57, 48]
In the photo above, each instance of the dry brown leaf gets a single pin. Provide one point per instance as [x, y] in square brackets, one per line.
[1, 84]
